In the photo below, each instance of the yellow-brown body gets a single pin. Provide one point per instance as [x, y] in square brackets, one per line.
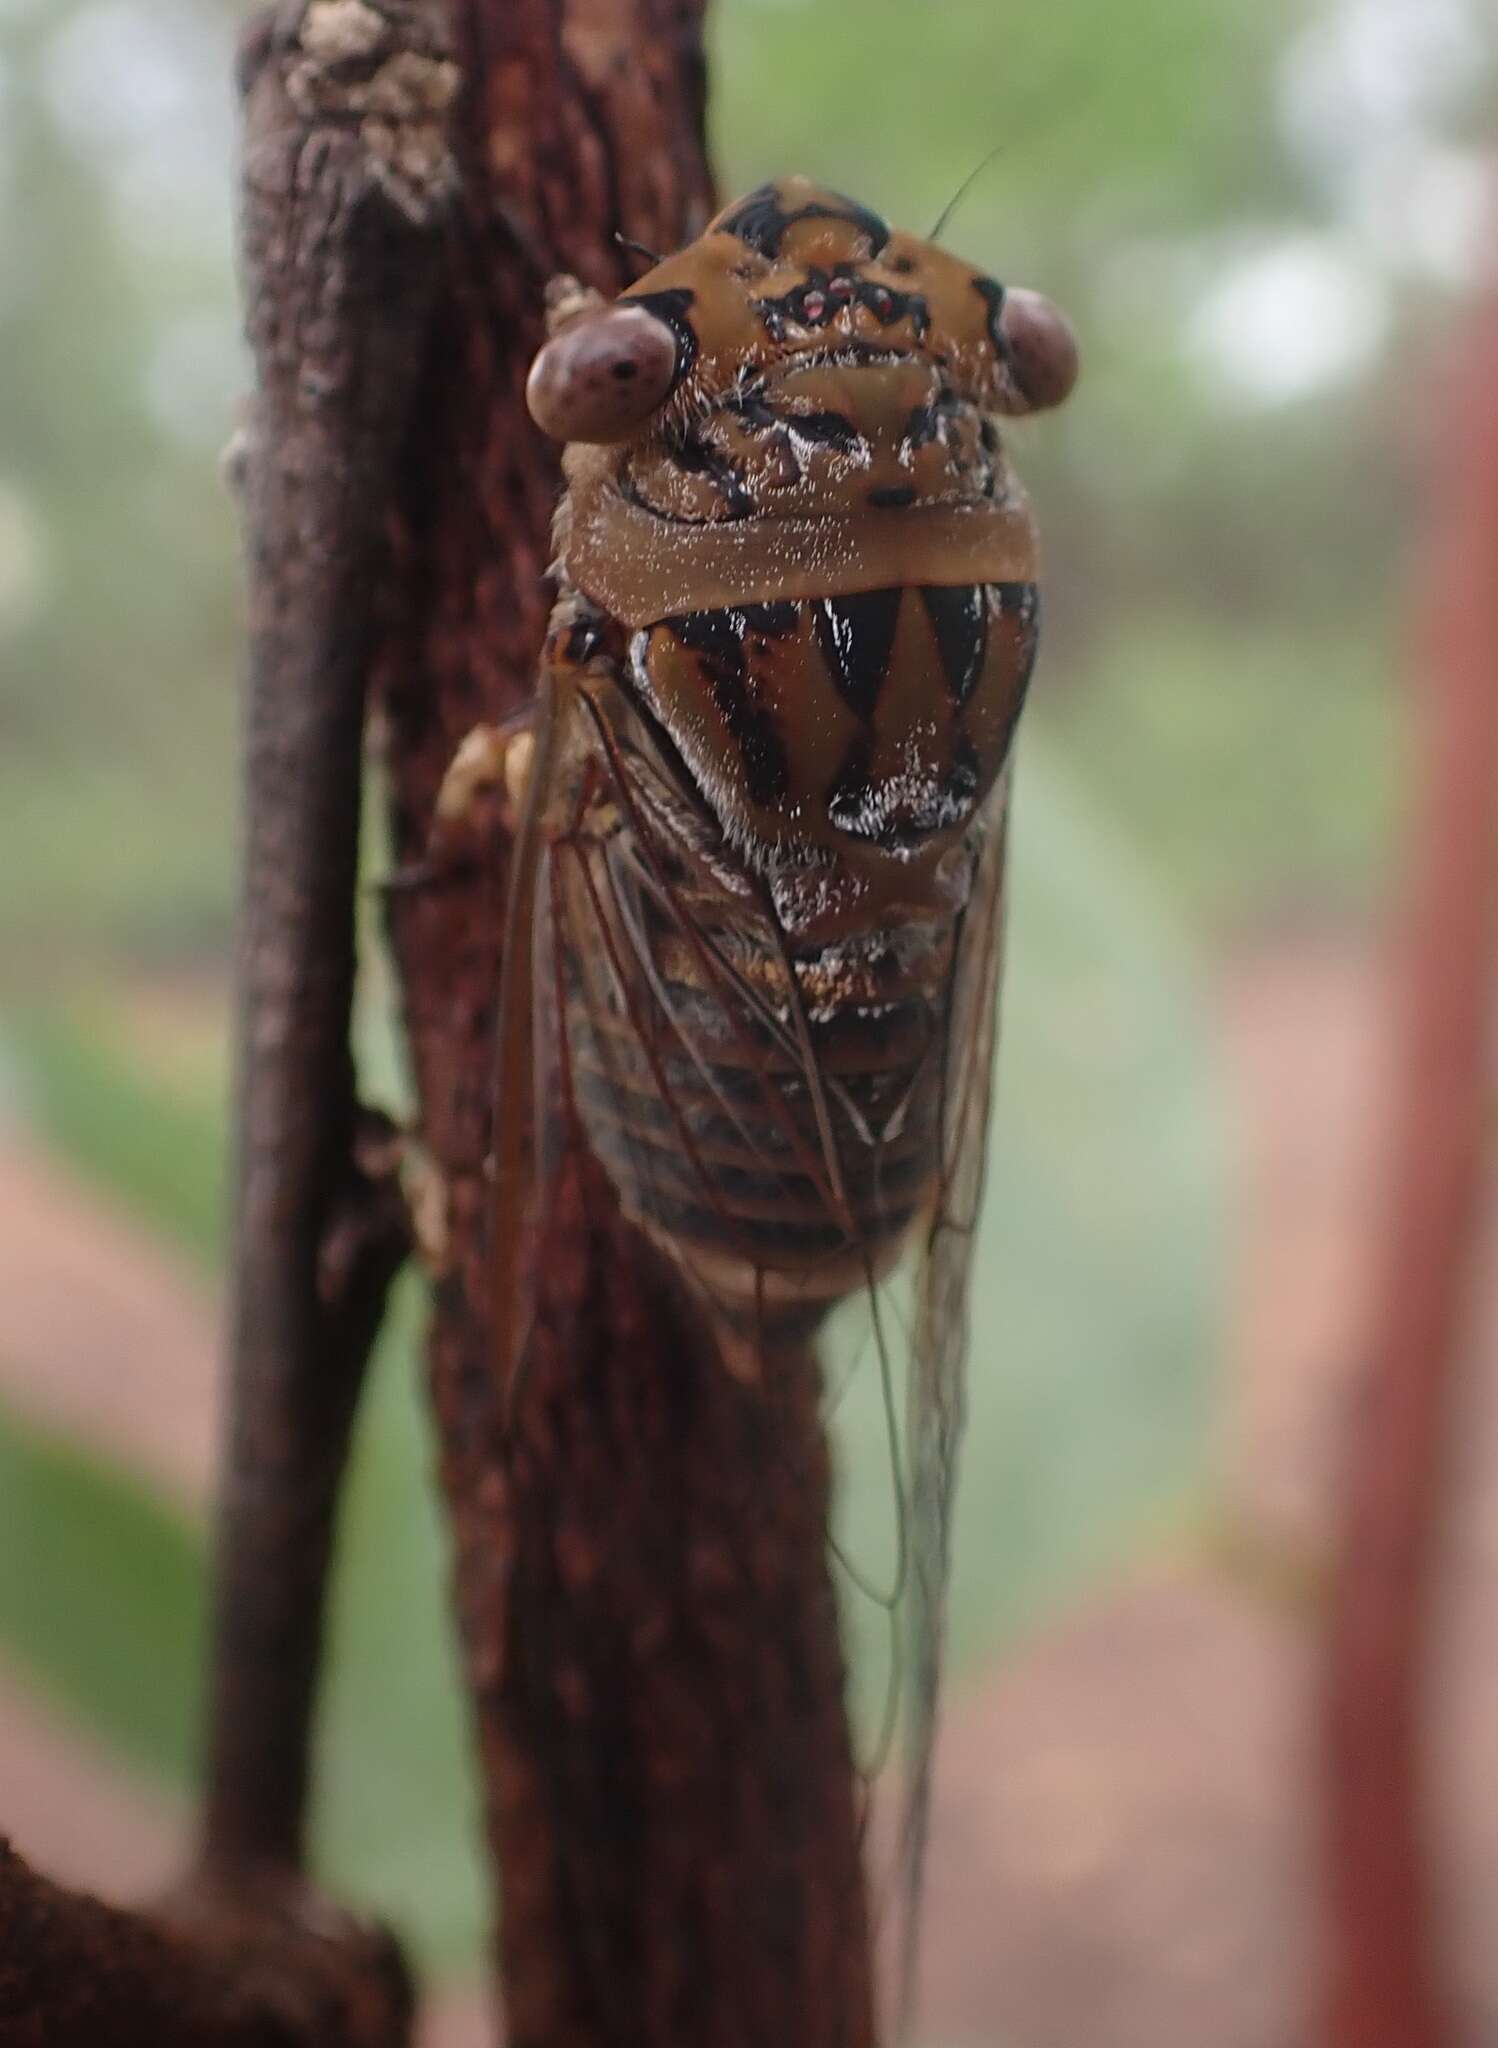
[756, 901]
[798, 622]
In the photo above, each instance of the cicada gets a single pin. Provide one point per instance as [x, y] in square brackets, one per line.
[757, 894]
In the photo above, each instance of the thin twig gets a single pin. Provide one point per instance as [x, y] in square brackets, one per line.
[1383, 1990]
[347, 187]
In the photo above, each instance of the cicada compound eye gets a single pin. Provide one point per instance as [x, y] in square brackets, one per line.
[1042, 349]
[602, 377]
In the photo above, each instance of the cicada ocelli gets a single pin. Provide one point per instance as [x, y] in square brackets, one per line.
[756, 900]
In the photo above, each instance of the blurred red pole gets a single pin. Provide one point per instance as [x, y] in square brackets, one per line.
[1383, 1989]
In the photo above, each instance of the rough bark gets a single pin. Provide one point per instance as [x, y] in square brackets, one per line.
[1384, 1989]
[646, 1615]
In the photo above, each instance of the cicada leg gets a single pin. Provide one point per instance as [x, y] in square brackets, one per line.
[480, 797]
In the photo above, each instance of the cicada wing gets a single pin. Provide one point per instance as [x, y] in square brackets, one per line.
[524, 1093]
[679, 1042]
[939, 1345]
[652, 1042]
[695, 1063]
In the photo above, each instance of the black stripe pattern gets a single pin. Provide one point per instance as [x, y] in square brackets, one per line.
[717, 640]
[762, 222]
[857, 636]
[959, 621]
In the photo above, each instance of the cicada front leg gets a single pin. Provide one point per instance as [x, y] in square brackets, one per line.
[475, 808]
[490, 774]
[479, 803]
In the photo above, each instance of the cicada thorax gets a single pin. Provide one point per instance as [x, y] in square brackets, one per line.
[797, 540]
[774, 816]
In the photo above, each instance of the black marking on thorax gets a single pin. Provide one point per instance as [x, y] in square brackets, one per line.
[959, 623]
[827, 429]
[857, 637]
[763, 223]
[691, 452]
[716, 638]
[924, 424]
[776, 620]
[853, 801]
[1019, 601]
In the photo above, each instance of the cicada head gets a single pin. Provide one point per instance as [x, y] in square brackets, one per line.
[802, 402]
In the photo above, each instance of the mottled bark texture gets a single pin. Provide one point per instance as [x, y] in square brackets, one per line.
[1384, 1986]
[646, 1614]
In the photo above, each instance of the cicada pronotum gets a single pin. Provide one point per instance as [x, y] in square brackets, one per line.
[757, 894]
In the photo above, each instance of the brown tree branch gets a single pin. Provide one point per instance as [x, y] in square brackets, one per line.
[648, 1624]
[1383, 1990]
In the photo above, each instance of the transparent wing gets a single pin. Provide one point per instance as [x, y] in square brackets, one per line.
[660, 1021]
[520, 1100]
[635, 1013]
[938, 1361]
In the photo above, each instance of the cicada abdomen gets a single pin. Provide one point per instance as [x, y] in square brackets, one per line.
[757, 899]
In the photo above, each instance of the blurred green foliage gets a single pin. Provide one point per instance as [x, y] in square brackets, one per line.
[101, 1599]
[155, 1144]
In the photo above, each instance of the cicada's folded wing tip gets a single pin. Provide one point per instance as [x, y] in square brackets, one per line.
[513, 1142]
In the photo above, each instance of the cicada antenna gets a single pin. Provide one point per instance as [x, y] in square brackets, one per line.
[1053, 102]
[652, 256]
[965, 187]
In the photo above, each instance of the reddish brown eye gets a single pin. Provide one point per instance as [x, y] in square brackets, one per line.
[601, 378]
[1042, 348]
